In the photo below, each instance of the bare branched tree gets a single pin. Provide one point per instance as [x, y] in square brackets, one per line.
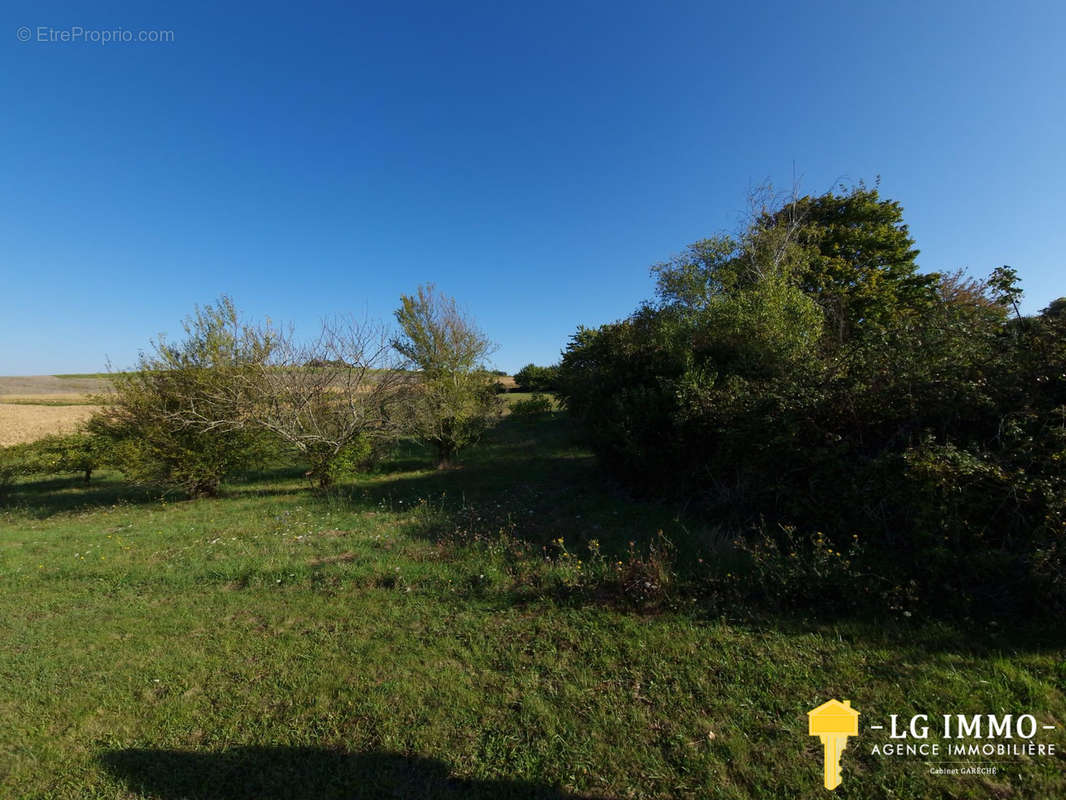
[333, 399]
[770, 227]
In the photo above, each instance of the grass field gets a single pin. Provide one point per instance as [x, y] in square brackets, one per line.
[421, 634]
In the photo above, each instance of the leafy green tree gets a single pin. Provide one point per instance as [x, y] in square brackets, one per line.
[179, 419]
[532, 378]
[80, 452]
[1056, 309]
[703, 271]
[1005, 288]
[453, 397]
[851, 253]
[858, 258]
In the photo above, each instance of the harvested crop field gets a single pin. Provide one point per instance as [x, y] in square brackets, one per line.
[35, 406]
[26, 423]
[47, 399]
[36, 385]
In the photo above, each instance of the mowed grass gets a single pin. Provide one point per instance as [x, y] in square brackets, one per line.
[392, 640]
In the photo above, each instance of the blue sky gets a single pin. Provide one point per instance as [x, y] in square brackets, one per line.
[530, 159]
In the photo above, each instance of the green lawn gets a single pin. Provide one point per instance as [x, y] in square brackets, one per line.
[422, 634]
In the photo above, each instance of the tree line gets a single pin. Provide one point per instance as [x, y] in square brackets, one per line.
[232, 394]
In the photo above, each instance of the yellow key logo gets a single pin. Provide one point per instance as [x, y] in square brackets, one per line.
[833, 722]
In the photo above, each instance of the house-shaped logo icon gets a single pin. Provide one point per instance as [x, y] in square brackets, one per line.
[833, 722]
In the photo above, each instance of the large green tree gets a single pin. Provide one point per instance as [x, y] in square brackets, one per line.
[849, 251]
[856, 259]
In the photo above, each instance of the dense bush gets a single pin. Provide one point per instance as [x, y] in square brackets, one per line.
[806, 373]
[536, 405]
[9, 472]
[179, 419]
[79, 452]
[330, 466]
[532, 378]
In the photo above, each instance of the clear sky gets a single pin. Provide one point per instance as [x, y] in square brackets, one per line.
[531, 159]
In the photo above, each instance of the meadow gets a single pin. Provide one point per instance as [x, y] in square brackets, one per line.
[494, 630]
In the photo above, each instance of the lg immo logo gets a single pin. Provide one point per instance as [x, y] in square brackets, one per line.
[930, 738]
[833, 722]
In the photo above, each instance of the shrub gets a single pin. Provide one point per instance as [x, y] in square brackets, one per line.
[80, 452]
[330, 466]
[179, 419]
[536, 406]
[9, 472]
[532, 378]
[329, 400]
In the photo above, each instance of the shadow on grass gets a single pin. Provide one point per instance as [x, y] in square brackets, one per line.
[48, 497]
[44, 498]
[512, 458]
[302, 773]
[914, 639]
[528, 479]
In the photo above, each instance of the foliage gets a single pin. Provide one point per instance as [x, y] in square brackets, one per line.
[10, 469]
[858, 260]
[80, 452]
[454, 398]
[532, 378]
[806, 373]
[330, 466]
[1055, 309]
[232, 395]
[178, 419]
[536, 405]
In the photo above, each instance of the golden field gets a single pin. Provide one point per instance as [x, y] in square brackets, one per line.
[25, 423]
[35, 406]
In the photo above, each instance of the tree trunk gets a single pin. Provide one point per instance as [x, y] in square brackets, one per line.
[444, 457]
